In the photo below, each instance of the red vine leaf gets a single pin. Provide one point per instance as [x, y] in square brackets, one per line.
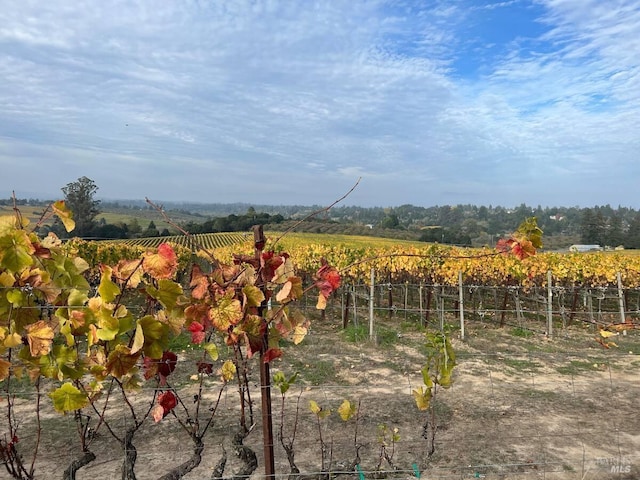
[167, 364]
[167, 401]
[197, 332]
[162, 264]
[327, 281]
[150, 367]
[270, 263]
[205, 367]
[271, 354]
[199, 283]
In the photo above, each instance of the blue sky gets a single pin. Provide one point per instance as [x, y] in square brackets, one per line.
[290, 102]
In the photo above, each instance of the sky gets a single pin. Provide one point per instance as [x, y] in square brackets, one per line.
[287, 102]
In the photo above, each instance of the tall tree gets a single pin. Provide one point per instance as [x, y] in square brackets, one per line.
[79, 196]
[633, 235]
[592, 227]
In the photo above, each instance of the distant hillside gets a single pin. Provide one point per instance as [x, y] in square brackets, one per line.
[458, 224]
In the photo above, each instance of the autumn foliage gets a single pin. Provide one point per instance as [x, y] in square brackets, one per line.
[68, 323]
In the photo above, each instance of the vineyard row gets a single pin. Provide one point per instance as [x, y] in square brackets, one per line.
[431, 264]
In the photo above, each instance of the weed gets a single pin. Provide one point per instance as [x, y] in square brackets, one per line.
[355, 334]
[575, 367]
[521, 365]
[386, 336]
[316, 373]
[522, 332]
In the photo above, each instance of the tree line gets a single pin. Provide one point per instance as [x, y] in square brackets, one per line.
[459, 224]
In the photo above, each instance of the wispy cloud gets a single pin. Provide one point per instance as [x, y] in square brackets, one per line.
[290, 102]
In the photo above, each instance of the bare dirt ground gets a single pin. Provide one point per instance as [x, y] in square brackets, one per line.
[521, 406]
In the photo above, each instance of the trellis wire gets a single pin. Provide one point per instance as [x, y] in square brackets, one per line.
[534, 308]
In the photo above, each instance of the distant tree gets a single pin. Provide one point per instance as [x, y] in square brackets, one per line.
[592, 227]
[110, 230]
[79, 197]
[633, 235]
[390, 220]
[432, 234]
[615, 235]
[151, 231]
[134, 228]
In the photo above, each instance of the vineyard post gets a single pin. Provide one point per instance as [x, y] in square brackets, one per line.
[372, 292]
[265, 379]
[441, 307]
[390, 293]
[428, 306]
[549, 304]
[345, 307]
[621, 299]
[420, 300]
[406, 298]
[354, 294]
[461, 301]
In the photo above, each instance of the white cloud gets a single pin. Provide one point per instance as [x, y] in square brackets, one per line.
[232, 100]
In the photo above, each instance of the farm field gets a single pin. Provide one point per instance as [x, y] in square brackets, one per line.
[30, 212]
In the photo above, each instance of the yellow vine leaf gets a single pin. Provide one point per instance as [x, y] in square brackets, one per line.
[299, 333]
[65, 214]
[322, 302]
[4, 369]
[212, 350]
[138, 340]
[7, 279]
[228, 371]
[12, 340]
[606, 334]
[39, 336]
[107, 289]
[346, 410]
[253, 295]
[314, 407]
[422, 398]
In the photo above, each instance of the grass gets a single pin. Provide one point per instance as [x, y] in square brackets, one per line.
[316, 373]
[355, 333]
[386, 337]
[538, 394]
[521, 365]
[577, 367]
[522, 332]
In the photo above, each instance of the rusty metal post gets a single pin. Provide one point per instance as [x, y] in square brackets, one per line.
[265, 375]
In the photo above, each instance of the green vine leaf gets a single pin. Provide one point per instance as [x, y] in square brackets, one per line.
[15, 251]
[68, 398]
[107, 289]
[167, 292]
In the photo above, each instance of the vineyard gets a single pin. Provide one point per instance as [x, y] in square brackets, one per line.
[397, 261]
[134, 361]
[205, 240]
[434, 264]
